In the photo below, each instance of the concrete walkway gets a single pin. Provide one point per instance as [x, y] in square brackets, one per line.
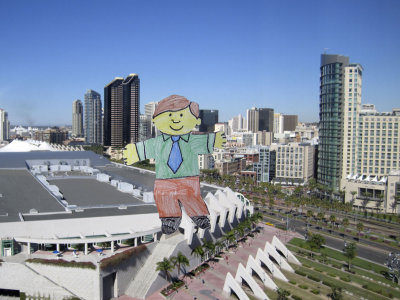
[209, 284]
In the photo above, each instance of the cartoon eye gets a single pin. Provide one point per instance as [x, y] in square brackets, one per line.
[170, 114]
[181, 115]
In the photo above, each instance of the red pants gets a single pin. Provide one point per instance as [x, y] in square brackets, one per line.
[169, 194]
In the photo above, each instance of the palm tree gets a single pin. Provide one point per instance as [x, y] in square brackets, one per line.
[180, 260]
[310, 214]
[345, 223]
[218, 246]
[199, 252]
[230, 237]
[350, 251]
[239, 231]
[332, 219]
[393, 205]
[378, 202]
[353, 193]
[210, 246]
[360, 227]
[165, 266]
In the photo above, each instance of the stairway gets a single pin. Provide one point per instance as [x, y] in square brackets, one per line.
[146, 276]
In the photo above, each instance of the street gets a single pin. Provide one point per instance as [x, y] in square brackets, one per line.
[369, 252]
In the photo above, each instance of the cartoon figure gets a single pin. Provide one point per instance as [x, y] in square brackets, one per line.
[176, 153]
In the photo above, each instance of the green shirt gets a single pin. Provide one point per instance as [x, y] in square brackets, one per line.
[191, 146]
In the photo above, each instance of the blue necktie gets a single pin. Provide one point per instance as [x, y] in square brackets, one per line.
[175, 156]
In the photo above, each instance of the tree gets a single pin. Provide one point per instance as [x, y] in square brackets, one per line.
[350, 251]
[315, 241]
[378, 202]
[360, 227]
[165, 266]
[309, 215]
[199, 252]
[255, 218]
[332, 219]
[180, 260]
[345, 223]
[365, 202]
[230, 237]
[393, 206]
[320, 216]
[282, 294]
[336, 293]
[218, 246]
[210, 246]
[353, 193]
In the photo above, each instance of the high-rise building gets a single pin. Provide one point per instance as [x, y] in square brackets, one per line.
[236, 123]
[4, 125]
[379, 142]
[332, 98]
[53, 135]
[208, 120]
[121, 111]
[351, 108]
[149, 109]
[93, 120]
[77, 118]
[262, 167]
[294, 162]
[266, 119]
[252, 119]
[144, 128]
[290, 122]
[278, 123]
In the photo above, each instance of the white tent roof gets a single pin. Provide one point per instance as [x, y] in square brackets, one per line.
[27, 146]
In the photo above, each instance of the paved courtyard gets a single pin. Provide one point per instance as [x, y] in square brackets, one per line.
[209, 284]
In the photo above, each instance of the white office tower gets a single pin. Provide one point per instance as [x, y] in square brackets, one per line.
[278, 123]
[4, 125]
[149, 109]
[351, 118]
[237, 124]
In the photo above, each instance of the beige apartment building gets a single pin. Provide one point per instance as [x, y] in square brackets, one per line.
[379, 142]
[373, 181]
[294, 162]
[351, 114]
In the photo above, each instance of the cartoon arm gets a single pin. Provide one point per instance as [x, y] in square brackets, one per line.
[137, 152]
[130, 154]
[220, 139]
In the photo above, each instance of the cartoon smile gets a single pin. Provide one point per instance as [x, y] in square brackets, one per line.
[175, 129]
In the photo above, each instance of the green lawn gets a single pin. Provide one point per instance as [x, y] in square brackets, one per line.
[373, 283]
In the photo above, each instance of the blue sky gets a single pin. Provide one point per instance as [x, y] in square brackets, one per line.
[226, 55]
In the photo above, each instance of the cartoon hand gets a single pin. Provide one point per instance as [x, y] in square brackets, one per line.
[220, 139]
[130, 155]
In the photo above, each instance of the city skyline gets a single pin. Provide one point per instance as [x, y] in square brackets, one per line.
[263, 55]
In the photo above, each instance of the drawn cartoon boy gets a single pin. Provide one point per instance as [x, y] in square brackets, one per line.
[176, 153]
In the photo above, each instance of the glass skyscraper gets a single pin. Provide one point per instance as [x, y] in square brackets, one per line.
[332, 73]
[121, 111]
[93, 120]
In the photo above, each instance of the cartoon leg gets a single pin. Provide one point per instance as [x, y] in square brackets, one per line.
[194, 205]
[167, 205]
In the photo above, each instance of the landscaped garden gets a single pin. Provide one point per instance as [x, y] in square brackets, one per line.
[334, 274]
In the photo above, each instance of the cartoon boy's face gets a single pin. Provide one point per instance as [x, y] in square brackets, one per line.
[176, 122]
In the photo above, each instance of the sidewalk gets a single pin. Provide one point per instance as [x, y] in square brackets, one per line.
[209, 284]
